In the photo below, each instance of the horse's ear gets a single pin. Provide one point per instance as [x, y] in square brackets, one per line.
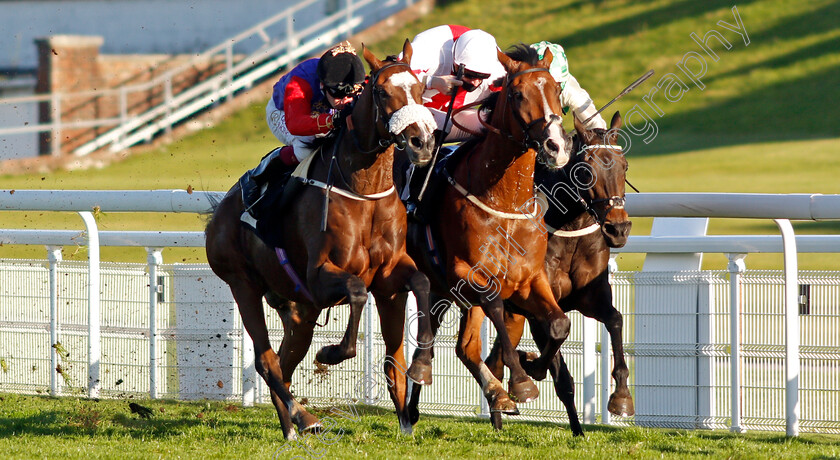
[615, 123]
[407, 52]
[374, 63]
[509, 64]
[545, 62]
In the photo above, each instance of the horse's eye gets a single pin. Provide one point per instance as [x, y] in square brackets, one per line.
[518, 95]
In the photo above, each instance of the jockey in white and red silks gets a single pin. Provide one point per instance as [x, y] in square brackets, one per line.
[437, 54]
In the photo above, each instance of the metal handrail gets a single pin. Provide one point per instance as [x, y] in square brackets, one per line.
[238, 73]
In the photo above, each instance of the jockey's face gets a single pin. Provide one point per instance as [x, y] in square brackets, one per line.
[472, 80]
[337, 102]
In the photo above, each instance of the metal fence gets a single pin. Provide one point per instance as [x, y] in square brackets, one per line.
[706, 349]
[680, 380]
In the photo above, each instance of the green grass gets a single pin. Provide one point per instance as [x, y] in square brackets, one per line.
[765, 122]
[44, 427]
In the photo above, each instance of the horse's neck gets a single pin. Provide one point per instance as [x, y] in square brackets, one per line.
[367, 174]
[495, 174]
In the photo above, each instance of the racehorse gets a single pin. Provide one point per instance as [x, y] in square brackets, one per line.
[361, 248]
[484, 224]
[585, 218]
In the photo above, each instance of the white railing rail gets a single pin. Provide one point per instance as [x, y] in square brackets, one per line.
[239, 72]
[778, 207]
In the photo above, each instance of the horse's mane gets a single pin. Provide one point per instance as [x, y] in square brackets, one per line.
[519, 52]
[524, 53]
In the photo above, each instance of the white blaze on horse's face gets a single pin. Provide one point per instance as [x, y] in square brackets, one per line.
[557, 146]
[411, 112]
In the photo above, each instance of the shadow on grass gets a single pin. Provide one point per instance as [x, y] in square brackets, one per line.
[649, 19]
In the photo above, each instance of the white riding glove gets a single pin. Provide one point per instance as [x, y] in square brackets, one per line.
[444, 84]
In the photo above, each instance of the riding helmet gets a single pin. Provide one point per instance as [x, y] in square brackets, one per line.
[341, 71]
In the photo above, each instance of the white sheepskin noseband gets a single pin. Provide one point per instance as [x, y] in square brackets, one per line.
[411, 113]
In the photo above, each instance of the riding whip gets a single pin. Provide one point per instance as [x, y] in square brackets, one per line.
[444, 132]
[632, 86]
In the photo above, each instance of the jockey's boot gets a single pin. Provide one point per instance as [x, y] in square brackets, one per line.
[253, 183]
[415, 183]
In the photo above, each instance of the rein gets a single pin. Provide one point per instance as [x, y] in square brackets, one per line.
[383, 142]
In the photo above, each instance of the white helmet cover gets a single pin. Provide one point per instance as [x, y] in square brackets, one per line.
[559, 68]
[476, 49]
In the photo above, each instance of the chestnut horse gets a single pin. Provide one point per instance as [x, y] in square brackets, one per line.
[362, 248]
[585, 218]
[490, 247]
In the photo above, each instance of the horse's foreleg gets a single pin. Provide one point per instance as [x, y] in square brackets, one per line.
[333, 284]
[468, 350]
[621, 401]
[404, 276]
[249, 301]
[521, 385]
[546, 310]
[515, 325]
[392, 324]
[595, 301]
[564, 384]
[298, 328]
[442, 306]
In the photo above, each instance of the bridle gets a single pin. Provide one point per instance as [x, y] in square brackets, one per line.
[378, 109]
[528, 142]
[598, 208]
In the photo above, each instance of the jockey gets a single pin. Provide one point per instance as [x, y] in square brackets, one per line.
[302, 108]
[438, 52]
[572, 95]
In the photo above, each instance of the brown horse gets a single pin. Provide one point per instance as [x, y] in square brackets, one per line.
[585, 219]
[361, 249]
[490, 248]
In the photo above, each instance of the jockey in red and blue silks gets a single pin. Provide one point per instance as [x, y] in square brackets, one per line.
[302, 108]
[306, 99]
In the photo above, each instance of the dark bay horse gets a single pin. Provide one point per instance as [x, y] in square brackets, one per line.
[363, 247]
[585, 218]
[484, 227]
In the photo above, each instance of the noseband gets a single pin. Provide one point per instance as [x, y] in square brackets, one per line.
[378, 109]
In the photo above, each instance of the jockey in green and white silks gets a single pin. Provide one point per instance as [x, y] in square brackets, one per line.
[573, 96]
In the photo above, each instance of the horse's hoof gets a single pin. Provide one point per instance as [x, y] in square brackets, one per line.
[525, 391]
[333, 354]
[308, 423]
[504, 405]
[420, 373]
[621, 405]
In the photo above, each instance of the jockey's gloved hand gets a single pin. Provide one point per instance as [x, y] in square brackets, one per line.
[340, 117]
[445, 84]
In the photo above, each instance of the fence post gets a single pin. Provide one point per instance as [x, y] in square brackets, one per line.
[167, 100]
[249, 369]
[123, 115]
[94, 335]
[154, 258]
[54, 257]
[368, 330]
[606, 354]
[590, 334]
[791, 329]
[736, 268]
[410, 339]
[484, 407]
[291, 39]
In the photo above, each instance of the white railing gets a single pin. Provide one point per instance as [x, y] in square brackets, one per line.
[778, 207]
[241, 70]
